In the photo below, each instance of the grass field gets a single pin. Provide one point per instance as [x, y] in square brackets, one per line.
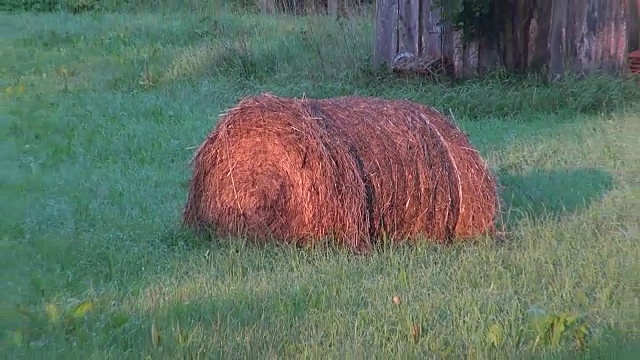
[99, 116]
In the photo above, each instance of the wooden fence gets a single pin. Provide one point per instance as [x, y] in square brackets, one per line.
[555, 36]
[633, 23]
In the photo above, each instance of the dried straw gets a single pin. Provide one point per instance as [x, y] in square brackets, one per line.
[352, 168]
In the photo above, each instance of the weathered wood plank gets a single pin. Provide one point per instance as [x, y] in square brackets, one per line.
[557, 45]
[333, 6]
[408, 22]
[621, 47]
[596, 36]
[267, 6]
[458, 53]
[470, 58]
[541, 54]
[576, 33]
[633, 24]
[386, 33]
[449, 39]
[431, 41]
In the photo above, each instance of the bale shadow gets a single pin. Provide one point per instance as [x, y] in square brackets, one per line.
[536, 195]
[543, 194]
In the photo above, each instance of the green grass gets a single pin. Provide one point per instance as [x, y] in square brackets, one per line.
[99, 115]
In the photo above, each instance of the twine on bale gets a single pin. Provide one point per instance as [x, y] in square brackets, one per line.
[355, 169]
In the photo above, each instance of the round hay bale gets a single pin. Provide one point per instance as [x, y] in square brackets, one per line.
[352, 168]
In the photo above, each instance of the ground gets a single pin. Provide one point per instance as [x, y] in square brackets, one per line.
[100, 115]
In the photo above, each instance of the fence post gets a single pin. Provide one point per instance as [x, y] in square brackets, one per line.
[267, 6]
[386, 32]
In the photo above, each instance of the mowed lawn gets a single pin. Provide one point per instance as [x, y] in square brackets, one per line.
[100, 115]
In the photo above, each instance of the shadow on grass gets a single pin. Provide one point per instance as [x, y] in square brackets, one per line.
[540, 193]
[615, 344]
[536, 195]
